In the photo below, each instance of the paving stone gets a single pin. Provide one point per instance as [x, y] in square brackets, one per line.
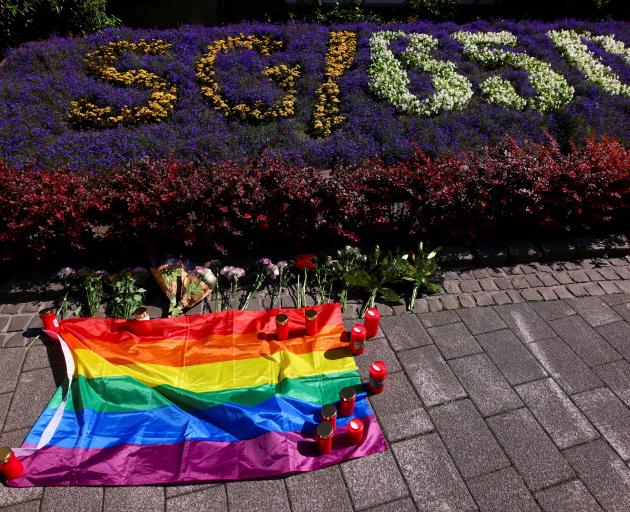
[609, 287]
[450, 302]
[503, 283]
[609, 415]
[562, 277]
[430, 375]
[405, 505]
[577, 290]
[552, 310]
[307, 490]
[210, 500]
[399, 411]
[138, 499]
[531, 295]
[14, 437]
[29, 506]
[72, 499]
[618, 336]
[623, 272]
[519, 283]
[11, 309]
[432, 477]
[434, 304]
[485, 385]
[578, 276]
[488, 284]
[594, 311]
[10, 364]
[604, 474]
[19, 323]
[624, 286]
[564, 366]
[470, 286]
[562, 292]
[481, 320]
[5, 400]
[502, 491]
[178, 490]
[511, 357]
[533, 281]
[405, 332]
[467, 300]
[616, 375]
[547, 293]
[593, 274]
[33, 392]
[43, 356]
[560, 418]
[16, 340]
[532, 453]
[438, 318]
[13, 496]
[547, 279]
[569, 497]
[500, 298]
[374, 480]
[524, 322]
[454, 340]
[377, 349]
[468, 440]
[620, 303]
[515, 296]
[255, 495]
[421, 306]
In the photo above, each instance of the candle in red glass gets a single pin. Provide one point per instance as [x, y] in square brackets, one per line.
[49, 319]
[347, 397]
[378, 374]
[10, 465]
[141, 313]
[312, 327]
[324, 437]
[329, 415]
[357, 339]
[355, 431]
[371, 321]
[282, 326]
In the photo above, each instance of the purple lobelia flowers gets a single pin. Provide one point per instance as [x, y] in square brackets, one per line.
[40, 80]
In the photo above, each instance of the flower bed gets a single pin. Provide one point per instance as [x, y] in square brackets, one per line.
[310, 94]
[154, 206]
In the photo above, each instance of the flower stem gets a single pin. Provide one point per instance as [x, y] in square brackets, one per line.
[412, 300]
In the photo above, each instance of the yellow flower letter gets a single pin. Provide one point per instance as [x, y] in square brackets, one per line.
[285, 76]
[342, 47]
[100, 64]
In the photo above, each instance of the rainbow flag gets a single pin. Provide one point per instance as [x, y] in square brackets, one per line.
[196, 398]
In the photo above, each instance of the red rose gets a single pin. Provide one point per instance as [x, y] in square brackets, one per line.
[305, 262]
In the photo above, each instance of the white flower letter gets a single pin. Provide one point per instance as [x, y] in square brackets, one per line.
[389, 80]
[553, 91]
[569, 43]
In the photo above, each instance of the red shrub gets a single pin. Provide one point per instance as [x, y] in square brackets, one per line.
[161, 206]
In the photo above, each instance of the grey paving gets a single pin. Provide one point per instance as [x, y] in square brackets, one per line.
[502, 491]
[569, 497]
[432, 477]
[431, 376]
[468, 440]
[454, 340]
[603, 473]
[511, 357]
[533, 454]
[558, 415]
[485, 385]
[509, 407]
[609, 415]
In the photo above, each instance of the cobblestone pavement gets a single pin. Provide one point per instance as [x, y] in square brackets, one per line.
[520, 405]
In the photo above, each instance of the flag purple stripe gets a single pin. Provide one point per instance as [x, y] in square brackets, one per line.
[271, 454]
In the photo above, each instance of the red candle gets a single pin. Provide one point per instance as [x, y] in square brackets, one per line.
[347, 397]
[10, 465]
[49, 319]
[378, 374]
[357, 339]
[312, 327]
[324, 437]
[371, 321]
[329, 415]
[282, 326]
[355, 431]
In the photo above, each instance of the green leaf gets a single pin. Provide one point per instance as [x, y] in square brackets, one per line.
[361, 279]
[389, 295]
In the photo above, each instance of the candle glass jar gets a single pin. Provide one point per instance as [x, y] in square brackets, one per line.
[371, 321]
[355, 431]
[282, 326]
[141, 313]
[324, 435]
[347, 398]
[49, 320]
[312, 321]
[10, 465]
[328, 414]
[357, 339]
[378, 374]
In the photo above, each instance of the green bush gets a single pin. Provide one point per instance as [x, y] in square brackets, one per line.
[26, 20]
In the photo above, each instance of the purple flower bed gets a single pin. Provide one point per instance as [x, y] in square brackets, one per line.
[39, 80]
